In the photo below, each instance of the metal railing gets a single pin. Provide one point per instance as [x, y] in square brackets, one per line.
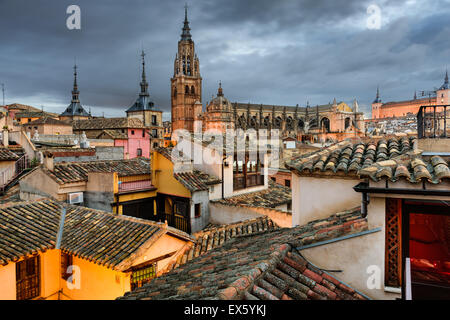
[433, 121]
[7, 175]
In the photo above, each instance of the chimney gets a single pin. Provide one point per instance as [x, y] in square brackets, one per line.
[5, 137]
[48, 160]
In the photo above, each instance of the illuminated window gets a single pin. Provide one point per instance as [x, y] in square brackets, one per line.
[142, 275]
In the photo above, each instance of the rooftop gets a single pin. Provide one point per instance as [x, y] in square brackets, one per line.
[107, 123]
[275, 195]
[264, 266]
[346, 158]
[412, 169]
[48, 120]
[78, 171]
[196, 180]
[7, 155]
[30, 227]
[214, 236]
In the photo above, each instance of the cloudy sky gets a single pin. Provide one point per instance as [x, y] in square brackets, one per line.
[283, 52]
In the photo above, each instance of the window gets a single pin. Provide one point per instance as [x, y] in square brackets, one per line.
[186, 90]
[155, 144]
[141, 276]
[247, 173]
[139, 152]
[198, 210]
[66, 261]
[192, 90]
[273, 179]
[132, 132]
[28, 279]
[154, 119]
[287, 183]
[143, 133]
[154, 133]
[289, 206]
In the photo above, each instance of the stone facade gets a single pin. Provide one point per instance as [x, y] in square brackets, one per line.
[186, 83]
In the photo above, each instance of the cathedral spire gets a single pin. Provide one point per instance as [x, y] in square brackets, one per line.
[446, 77]
[186, 34]
[377, 99]
[75, 92]
[144, 83]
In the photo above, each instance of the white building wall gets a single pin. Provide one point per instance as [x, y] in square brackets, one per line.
[317, 198]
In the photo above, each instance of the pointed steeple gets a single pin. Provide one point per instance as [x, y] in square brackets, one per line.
[75, 92]
[144, 83]
[445, 85]
[75, 108]
[186, 34]
[377, 99]
[415, 95]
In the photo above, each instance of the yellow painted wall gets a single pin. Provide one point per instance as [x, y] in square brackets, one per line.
[50, 274]
[8, 281]
[163, 178]
[97, 282]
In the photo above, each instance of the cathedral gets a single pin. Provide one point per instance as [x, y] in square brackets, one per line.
[333, 121]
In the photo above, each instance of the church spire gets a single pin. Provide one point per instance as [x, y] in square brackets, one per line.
[186, 34]
[75, 92]
[144, 83]
[446, 77]
[377, 99]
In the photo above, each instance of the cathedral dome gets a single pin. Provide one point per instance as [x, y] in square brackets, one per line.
[219, 103]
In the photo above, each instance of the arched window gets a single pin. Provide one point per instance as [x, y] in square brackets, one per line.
[189, 65]
[347, 122]
[325, 124]
[192, 90]
[186, 90]
[184, 65]
[175, 92]
[301, 124]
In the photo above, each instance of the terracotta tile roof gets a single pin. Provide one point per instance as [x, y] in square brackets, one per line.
[114, 134]
[172, 156]
[413, 169]
[262, 266]
[107, 123]
[7, 155]
[275, 195]
[100, 237]
[196, 180]
[78, 171]
[47, 120]
[214, 236]
[347, 158]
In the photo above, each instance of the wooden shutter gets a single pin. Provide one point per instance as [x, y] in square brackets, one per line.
[393, 243]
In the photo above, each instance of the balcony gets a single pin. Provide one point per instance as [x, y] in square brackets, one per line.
[433, 130]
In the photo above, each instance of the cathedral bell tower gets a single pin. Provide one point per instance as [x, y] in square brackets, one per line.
[186, 83]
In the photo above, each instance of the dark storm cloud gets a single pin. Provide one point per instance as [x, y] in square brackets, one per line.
[264, 51]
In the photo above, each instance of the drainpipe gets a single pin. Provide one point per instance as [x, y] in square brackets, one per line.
[365, 202]
[223, 164]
